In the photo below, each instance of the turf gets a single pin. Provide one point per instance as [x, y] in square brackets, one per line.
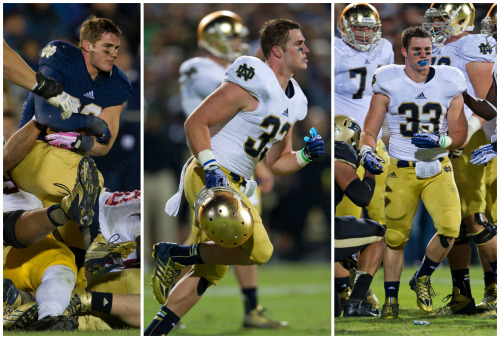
[297, 293]
[403, 326]
[125, 332]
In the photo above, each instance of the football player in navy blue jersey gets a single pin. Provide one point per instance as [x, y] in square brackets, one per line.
[353, 234]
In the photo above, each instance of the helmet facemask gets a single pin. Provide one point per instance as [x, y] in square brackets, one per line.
[360, 27]
[448, 19]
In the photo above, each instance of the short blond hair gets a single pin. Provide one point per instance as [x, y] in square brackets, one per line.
[93, 27]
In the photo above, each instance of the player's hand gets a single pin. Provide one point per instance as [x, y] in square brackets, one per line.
[96, 126]
[214, 177]
[71, 141]
[315, 146]
[371, 161]
[427, 140]
[104, 139]
[484, 154]
[53, 93]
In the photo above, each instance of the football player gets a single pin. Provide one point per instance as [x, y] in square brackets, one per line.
[221, 35]
[249, 116]
[357, 55]
[474, 56]
[17, 71]
[421, 103]
[352, 234]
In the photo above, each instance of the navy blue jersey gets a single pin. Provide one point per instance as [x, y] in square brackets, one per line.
[65, 63]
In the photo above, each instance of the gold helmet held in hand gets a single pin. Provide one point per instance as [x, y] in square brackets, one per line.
[218, 33]
[448, 19]
[223, 216]
[360, 26]
[347, 130]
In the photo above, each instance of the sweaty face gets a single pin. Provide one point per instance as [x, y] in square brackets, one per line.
[104, 52]
[362, 34]
[419, 53]
[295, 56]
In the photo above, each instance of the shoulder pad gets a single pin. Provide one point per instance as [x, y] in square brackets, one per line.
[346, 153]
[252, 74]
[59, 52]
[478, 48]
[122, 85]
[453, 78]
[383, 75]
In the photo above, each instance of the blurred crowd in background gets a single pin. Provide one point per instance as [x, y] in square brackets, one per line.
[297, 212]
[395, 18]
[27, 28]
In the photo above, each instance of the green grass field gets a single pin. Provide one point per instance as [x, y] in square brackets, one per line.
[445, 326]
[297, 293]
[125, 332]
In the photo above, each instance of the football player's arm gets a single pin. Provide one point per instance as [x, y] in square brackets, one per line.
[20, 144]
[480, 78]
[220, 106]
[264, 177]
[16, 70]
[360, 192]
[457, 123]
[373, 120]
[281, 159]
[111, 115]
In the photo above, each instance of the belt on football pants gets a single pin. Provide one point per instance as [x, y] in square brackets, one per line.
[238, 179]
[404, 163]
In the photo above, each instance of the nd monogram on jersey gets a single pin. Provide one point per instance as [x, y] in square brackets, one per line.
[353, 75]
[199, 77]
[245, 139]
[416, 107]
[470, 48]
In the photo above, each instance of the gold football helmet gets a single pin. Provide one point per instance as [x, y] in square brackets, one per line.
[347, 130]
[449, 19]
[360, 26]
[489, 23]
[216, 33]
[223, 216]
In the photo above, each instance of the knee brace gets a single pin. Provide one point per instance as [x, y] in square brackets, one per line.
[9, 228]
[202, 286]
[485, 235]
[443, 240]
[395, 240]
[463, 236]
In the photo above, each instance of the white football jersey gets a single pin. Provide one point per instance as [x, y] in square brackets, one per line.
[240, 143]
[353, 72]
[16, 199]
[491, 126]
[470, 48]
[199, 77]
[416, 107]
[119, 218]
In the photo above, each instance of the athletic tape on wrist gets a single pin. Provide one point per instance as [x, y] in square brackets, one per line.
[206, 159]
[301, 158]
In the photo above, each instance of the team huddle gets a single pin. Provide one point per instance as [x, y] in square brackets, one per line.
[422, 131]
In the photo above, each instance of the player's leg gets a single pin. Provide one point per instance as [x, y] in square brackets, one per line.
[440, 197]
[402, 197]
[342, 283]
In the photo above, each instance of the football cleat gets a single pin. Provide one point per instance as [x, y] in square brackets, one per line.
[165, 271]
[372, 299]
[100, 252]
[422, 287]
[54, 323]
[390, 310]
[459, 304]
[78, 205]
[19, 317]
[257, 319]
[81, 301]
[344, 295]
[14, 297]
[490, 299]
[359, 308]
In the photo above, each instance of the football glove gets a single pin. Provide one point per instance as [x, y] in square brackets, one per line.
[95, 125]
[371, 161]
[214, 177]
[427, 140]
[315, 146]
[484, 154]
[68, 140]
[53, 93]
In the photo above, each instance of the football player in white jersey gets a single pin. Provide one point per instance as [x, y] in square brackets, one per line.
[357, 55]
[423, 107]
[221, 35]
[249, 116]
[474, 55]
